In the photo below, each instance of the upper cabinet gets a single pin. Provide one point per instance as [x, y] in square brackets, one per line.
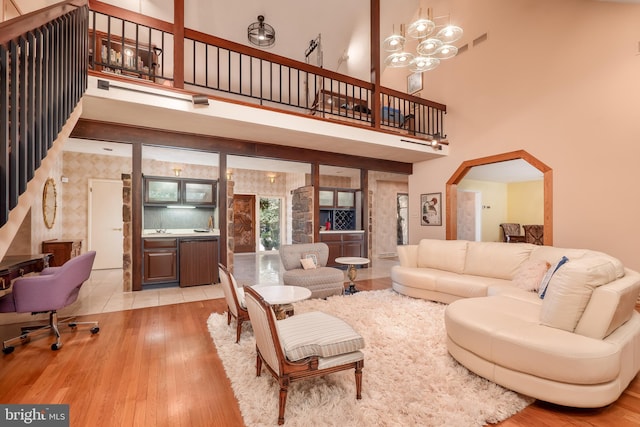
[199, 192]
[161, 191]
[345, 199]
[179, 191]
[336, 198]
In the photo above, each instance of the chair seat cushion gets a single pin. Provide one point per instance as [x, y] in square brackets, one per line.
[317, 334]
[317, 276]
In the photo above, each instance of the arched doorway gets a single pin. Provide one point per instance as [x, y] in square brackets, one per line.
[458, 175]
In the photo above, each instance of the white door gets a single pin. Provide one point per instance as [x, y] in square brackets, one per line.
[469, 219]
[105, 222]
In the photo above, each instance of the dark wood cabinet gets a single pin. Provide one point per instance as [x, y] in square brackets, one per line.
[342, 245]
[187, 261]
[162, 191]
[160, 260]
[62, 250]
[198, 262]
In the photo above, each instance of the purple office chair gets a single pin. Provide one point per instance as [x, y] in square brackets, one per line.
[53, 289]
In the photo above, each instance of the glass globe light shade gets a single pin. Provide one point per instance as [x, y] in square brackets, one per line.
[421, 28]
[429, 46]
[393, 43]
[446, 51]
[450, 34]
[423, 63]
[397, 60]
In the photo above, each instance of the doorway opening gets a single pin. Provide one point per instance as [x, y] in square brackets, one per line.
[465, 167]
[270, 209]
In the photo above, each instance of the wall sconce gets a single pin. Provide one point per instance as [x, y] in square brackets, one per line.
[229, 175]
[177, 171]
[272, 178]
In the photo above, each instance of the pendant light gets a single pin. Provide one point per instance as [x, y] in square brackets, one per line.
[261, 34]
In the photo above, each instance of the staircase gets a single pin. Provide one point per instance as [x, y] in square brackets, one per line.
[43, 75]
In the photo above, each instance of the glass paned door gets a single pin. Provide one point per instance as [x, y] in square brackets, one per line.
[270, 220]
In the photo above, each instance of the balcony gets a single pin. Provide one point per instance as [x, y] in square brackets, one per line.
[143, 54]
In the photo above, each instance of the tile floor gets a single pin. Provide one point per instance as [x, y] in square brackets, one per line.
[103, 291]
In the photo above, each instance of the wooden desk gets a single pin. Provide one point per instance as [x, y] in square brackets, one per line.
[12, 267]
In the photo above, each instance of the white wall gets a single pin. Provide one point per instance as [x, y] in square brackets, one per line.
[559, 79]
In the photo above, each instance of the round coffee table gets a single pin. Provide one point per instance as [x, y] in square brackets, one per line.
[279, 296]
[352, 261]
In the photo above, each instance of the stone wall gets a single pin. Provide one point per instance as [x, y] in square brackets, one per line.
[230, 241]
[127, 240]
[302, 212]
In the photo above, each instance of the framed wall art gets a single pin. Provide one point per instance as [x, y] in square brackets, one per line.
[414, 83]
[431, 209]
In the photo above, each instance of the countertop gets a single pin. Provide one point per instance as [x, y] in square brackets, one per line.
[179, 233]
[340, 231]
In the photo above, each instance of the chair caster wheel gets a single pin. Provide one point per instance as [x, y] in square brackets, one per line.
[55, 346]
[95, 330]
[8, 350]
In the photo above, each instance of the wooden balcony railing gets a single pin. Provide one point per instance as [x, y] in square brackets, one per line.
[43, 75]
[128, 44]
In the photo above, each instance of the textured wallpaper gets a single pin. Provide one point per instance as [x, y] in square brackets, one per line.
[79, 168]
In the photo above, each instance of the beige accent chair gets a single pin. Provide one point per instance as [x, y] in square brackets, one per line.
[302, 346]
[322, 281]
[235, 300]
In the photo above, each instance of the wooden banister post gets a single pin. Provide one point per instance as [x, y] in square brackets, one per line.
[178, 44]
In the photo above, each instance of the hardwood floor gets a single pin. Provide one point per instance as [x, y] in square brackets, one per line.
[158, 367]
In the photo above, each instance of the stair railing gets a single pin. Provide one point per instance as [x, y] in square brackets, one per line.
[43, 75]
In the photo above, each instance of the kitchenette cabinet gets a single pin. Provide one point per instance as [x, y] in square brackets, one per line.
[182, 259]
[198, 261]
[160, 260]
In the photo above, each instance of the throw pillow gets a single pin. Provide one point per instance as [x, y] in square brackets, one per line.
[530, 274]
[311, 255]
[307, 263]
[547, 277]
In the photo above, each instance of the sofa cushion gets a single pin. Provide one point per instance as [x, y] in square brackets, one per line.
[530, 274]
[495, 259]
[446, 255]
[570, 289]
[542, 290]
[317, 334]
[507, 332]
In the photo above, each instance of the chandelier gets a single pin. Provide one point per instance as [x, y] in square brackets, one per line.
[435, 44]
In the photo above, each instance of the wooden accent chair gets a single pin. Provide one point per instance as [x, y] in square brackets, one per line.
[302, 346]
[534, 234]
[235, 300]
[511, 233]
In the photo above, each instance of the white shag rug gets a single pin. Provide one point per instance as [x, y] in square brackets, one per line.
[409, 378]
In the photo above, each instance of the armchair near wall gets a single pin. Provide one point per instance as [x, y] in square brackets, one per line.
[534, 234]
[511, 233]
[321, 280]
[53, 289]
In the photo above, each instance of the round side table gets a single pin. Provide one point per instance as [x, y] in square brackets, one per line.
[280, 296]
[352, 272]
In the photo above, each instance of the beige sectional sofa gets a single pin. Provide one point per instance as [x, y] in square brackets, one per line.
[579, 346]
